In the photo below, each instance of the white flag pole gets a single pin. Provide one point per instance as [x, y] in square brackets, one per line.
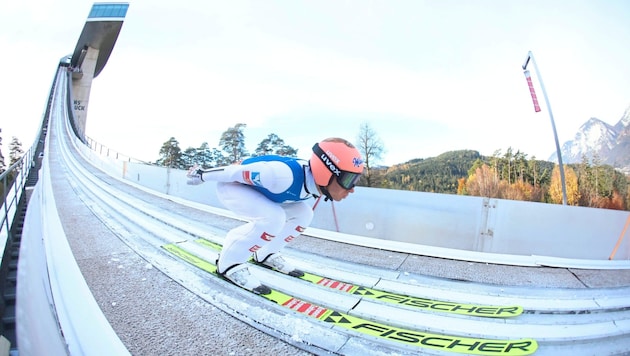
[530, 57]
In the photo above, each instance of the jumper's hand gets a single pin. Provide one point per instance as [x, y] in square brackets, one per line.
[194, 175]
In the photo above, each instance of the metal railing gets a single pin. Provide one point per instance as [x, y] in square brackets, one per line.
[13, 181]
[12, 189]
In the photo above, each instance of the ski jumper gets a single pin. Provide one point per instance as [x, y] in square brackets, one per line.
[269, 191]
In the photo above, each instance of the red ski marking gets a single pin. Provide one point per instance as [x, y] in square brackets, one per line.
[304, 307]
[324, 282]
[345, 287]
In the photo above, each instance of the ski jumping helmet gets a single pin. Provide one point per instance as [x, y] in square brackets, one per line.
[336, 157]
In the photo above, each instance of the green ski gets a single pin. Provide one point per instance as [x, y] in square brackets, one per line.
[451, 343]
[399, 299]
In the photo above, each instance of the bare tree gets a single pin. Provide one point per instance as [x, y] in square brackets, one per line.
[371, 148]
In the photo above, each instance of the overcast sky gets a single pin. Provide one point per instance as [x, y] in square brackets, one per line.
[428, 76]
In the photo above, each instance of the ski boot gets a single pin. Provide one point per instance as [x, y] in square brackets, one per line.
[240, 275]
[275, 261]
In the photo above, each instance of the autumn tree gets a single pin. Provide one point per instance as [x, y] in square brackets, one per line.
[461, 186]
[232, 142]
[372, 149]
[483, 183]
[571, 181]
[518, 190]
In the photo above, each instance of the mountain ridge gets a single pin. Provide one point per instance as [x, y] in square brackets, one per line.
[599, 141]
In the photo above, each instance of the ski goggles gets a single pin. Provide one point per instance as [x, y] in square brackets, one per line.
[347, 180]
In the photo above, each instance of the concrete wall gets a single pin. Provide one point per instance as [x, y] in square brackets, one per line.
[81, 86]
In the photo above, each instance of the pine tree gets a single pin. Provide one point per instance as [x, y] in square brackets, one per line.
[171, 155]
[208, 158]
[232, 142]
[15, 150]
[3, 167]
[189, 156]
[287, 151]
[273, 144]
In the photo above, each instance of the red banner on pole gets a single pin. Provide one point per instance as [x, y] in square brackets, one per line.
[531, 90]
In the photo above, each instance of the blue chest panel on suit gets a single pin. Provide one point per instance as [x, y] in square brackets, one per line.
[294, 191]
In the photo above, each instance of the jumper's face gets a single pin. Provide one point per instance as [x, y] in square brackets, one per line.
[337, 192]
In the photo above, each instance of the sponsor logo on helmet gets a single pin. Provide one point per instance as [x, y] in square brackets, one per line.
[330, 165]
[357, 161]
[333, 157]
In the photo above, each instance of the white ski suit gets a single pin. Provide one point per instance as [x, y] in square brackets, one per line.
[269, 191]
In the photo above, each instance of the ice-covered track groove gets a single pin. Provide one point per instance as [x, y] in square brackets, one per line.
[563, 320]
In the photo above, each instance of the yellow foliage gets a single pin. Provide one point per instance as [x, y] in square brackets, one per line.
[571, 183]
[461, 186]
[483, 183]
[518, 191]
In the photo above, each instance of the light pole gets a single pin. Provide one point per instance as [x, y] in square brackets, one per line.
[530, 57]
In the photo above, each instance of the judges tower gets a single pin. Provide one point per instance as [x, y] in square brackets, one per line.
[90, 55]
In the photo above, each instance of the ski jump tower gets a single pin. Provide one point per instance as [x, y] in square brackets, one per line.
[90, 55]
